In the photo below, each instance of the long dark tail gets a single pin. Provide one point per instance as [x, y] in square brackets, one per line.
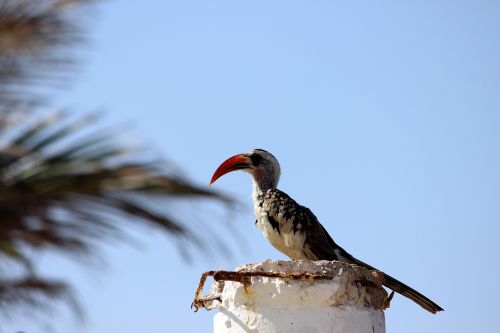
[404, 290]
[411, 293]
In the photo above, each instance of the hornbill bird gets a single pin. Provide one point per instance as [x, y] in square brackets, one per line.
[293, 229]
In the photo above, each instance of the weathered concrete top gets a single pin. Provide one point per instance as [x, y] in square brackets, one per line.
[301, 283]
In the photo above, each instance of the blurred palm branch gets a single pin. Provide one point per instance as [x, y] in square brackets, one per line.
[37, 39]
[66, 185]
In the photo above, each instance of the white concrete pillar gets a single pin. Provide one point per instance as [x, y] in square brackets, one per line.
[302, 296]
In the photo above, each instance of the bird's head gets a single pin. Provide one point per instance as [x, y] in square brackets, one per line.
[262, 165]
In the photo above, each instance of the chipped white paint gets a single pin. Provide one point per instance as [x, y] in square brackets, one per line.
[274, 305]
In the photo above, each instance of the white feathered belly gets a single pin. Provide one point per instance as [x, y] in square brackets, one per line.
[286, 241]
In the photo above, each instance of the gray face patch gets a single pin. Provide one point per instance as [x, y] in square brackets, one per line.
[266, 169]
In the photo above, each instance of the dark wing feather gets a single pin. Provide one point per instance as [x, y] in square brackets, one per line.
[318, 241]
[280, 208]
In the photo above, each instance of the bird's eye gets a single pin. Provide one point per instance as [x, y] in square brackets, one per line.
[256, 159]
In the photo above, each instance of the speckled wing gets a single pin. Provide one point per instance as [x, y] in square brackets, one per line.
[286, 216]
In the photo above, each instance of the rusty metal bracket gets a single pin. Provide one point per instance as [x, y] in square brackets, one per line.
[244, 277]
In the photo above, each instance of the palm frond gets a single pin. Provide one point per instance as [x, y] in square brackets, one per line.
[66, 185]
[35, 46]
[35, 293]
[65, 195]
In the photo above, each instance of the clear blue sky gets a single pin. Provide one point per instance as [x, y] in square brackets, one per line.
[385, 117]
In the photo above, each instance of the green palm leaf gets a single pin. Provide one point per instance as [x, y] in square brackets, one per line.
[36, 40]
[65, 184]
[62, 198]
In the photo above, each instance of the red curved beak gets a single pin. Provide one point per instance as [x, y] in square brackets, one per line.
[236, 162]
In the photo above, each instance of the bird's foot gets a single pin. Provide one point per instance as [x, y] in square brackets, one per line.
[387, 302]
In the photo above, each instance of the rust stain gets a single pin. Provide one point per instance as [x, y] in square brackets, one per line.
[248, 289]
[244, 278]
